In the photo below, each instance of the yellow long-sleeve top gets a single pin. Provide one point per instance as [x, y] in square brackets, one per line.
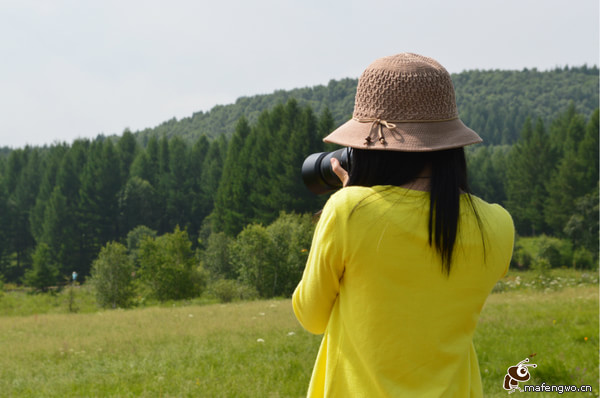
[394, 324]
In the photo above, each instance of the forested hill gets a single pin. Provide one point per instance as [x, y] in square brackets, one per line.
[61, 205]
[494, 103]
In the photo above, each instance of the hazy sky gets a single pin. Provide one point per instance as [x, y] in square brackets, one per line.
[78, 68]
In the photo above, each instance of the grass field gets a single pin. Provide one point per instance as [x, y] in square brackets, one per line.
[257, 349]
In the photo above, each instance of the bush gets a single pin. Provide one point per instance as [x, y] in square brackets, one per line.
[168, 269]
[255, 259]
[227, 290]
[44, 273]
[584, 259]
[292, 236]
[542, 252]
[521, 257]
[135, 238]
[272, 259]
[112, 276]
[216, 258]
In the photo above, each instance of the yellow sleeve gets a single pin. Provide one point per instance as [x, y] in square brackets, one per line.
[316, 293]
[510, 241]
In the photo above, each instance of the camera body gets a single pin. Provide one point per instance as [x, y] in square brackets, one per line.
[317, 173]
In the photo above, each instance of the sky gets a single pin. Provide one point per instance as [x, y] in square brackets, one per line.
[78, 68]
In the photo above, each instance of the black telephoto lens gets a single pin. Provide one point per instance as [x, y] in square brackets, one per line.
[317, 173]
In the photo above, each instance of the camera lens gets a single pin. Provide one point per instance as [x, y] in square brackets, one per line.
[317, 174]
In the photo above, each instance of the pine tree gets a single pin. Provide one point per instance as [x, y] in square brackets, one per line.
[24, 178]
[153, 161]
[259, 145]
[126, 149]
[290, 140]
[212, 169]
[98, 206]
[141, 168]
[163, 184]
[4, 233]
[531, 163]
[138, 205]
[587, 152]
[59, 233]
[199, 204]
[178, 185]
[325, 126]
[49, 175]
[61, 228]
[231, 211]
[559, 128]
[302, 142]
[568, 182]
[487, 172]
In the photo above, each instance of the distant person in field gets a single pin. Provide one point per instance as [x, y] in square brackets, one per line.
[404, 256]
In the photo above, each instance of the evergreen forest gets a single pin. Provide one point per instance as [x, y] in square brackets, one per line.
[224, 187]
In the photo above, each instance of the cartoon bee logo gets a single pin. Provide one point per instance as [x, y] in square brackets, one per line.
[516, 374]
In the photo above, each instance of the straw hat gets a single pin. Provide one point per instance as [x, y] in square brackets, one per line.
[404, 102]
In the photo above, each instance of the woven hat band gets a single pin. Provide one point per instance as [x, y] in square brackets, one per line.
[389, 124]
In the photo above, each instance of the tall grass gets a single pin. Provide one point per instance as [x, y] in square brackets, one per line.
[257, 349]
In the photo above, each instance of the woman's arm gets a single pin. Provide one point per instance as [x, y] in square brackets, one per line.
[316, 293]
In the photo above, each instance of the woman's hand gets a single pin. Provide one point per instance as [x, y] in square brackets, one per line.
[339, 171]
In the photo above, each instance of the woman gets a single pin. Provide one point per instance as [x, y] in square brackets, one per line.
[403, 257]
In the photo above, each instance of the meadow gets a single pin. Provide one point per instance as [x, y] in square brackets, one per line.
[257, 348]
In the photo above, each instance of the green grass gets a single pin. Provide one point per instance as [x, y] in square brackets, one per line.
[211, 350]
[257, 349]
[557, 329]
[20, 302]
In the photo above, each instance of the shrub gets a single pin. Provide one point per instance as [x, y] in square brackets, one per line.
[216, 258]
[542, 252]
[255, 259]
[112, 276]
[291, 235]
[521, 257]
[44, 272]
[272, 259]
[135, 238]
[541, 264]
[168, 268]
[227, 290]
[224, 289]
[583, 258]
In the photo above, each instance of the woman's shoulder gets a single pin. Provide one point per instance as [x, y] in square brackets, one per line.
[351, 193]
[492, 212]
[359, 192]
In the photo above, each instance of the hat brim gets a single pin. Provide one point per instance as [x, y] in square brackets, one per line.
[406, 136]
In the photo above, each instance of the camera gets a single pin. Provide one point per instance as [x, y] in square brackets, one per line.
[317, 173]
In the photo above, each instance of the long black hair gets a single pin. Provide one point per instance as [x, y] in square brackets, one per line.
[448, 180]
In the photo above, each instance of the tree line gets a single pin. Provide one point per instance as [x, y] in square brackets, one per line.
[222, 200]
[76, 198]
